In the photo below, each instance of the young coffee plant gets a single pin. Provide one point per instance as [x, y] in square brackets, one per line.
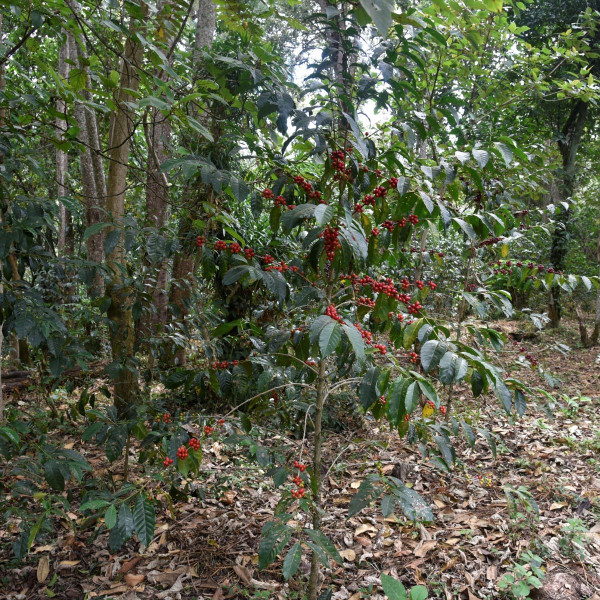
[352, 314]
[525, 576]
[394, 590]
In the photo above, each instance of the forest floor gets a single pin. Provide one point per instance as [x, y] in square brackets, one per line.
[209, 550]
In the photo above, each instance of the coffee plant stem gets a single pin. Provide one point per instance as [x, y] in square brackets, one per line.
[126, 465]
[320, 403]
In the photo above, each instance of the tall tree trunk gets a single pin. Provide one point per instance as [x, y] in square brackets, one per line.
[62, 157]
[2, 124]
[93, 180]
[157, 204]
[118, 289]
[183, 263]
[157, 198]
[594, 337]
[568, 145]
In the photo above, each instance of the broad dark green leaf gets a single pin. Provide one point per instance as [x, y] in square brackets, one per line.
[431, 354]
[366, 494]
[292, 561]
[144, 520]
[504, 395]
[520, 402]
[330, 338]
[393, 589]
[368, 392]
[156, 247]
[356, 340]
[235, 273]
[110, 516]
[319, 538]
[54, 475]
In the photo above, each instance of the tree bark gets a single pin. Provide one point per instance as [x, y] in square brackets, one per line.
[322, 381]
[119, 289]
[157, 204]
[2, 125]
[65, 232]
[592, 339]
[157, 199]
[183, 263]
[568, 145]
[92, 169]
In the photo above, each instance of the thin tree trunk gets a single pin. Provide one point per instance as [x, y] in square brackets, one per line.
[568, 145]
[119, 291]
[1, 288]
[595, 337]
[2, 124]
[92, 170]
[62, 157]
[183, 263]
[313, 581]
[592, 339]
[157, 203]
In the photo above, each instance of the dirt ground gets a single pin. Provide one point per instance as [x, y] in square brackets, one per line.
[207, 549]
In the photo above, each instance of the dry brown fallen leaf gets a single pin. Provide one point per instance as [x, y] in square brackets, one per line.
[131, 579]
[364, 528]
[43, 568]
[424, 547]
[348, 554]
[68, 563]
[228, 497]
[243, 573]
[129, 564]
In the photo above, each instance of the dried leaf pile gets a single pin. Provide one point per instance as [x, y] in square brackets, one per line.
[209, 550]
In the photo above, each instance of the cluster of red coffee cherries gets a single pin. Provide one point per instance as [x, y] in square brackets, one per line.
[534, 362]
[367, 336]
[282, 267]
[490, 241]
[182, 453]
[224, 364]
[338, 162]
[299, 493]
[431, 404]
[221, 245]
[505, 267]
[399, 316]
[364, 301]
[330, 239]
[414, 308]
[413, 357]
[331, 311]
[233, 247]
[194, 444]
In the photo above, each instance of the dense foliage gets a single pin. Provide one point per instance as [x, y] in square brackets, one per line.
[274, 210]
